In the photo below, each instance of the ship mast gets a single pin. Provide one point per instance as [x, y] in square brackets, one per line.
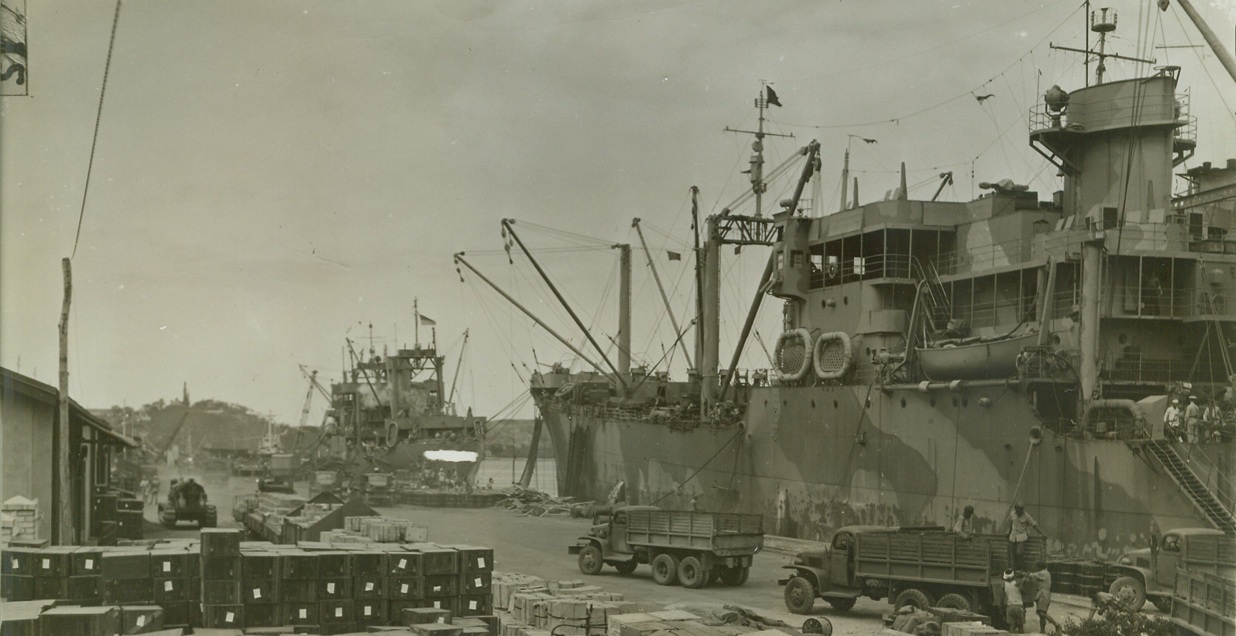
[1102, 26]
[1225, 57]
[758, 185]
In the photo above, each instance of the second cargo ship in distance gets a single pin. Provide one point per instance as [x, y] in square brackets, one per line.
[935, 354]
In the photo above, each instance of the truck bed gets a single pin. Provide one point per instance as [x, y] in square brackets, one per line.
[725, 534]
[1204, 604]
[941, 557]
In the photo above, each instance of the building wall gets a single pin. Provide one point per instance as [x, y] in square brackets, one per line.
[27, 452]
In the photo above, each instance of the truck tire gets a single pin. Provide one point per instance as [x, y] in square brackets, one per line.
[956, 601]
[1130, 591]
[691, 573]
[665, 569]
[734, 577]
[841, 604]
[914, 597]
[626, 567]
[799, 595]
[590, 561]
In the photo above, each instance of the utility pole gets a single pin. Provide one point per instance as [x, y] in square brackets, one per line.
[65, 531]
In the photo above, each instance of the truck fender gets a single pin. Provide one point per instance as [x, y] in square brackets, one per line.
[1144, 576]
[807, 573]
[583, 541]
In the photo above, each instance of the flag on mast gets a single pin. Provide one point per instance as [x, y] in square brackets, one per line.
[772, 97]
[425, 320]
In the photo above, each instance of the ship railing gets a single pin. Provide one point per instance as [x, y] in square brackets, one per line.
[1212, 476]
[866, 268]
[1132, 366]
[1149, 109]
[1149, 302]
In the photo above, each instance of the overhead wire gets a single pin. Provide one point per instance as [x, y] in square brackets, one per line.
[98, 118]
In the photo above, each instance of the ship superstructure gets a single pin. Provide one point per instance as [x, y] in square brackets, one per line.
[393, 412]
[934, 354]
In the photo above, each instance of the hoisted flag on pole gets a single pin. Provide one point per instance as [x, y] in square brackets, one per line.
[772, 97]
[428, 322]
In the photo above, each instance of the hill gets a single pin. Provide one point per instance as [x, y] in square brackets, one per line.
[206, 425]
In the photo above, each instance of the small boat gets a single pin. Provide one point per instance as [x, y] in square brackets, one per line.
[973, 358]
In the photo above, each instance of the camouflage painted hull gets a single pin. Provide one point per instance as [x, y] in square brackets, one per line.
[814, 459]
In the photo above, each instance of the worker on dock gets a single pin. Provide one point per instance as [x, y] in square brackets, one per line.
[1042, 596]
[1014, 608]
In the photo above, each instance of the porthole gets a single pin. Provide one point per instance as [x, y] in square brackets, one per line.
[1123, 338]
[835, 405]
[965, 402]
[845, 300]
[812, 403]
[954, 402]
[903, 403]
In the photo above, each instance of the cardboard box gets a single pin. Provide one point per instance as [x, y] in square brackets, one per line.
[223, 616]
[141, 619]
[370, 612]
[369, 562]
[16, 587]
[173, 591]
[124, 565]
[221, 568]
[73, 619]
[17, 561]
[169, 564]
[299, 565]
[85, 561]
[259, 592]
[440, 585]
[476, 605]
[405, 587]
[475, 582]
[259, 566]
[436, 559]
[53, 587]
[83, 588]
[53, 562]
[298, 591]
[404, 563]
[128, 591]
[262, 615]
[423, 615]
[336, 611]
[368, 587]
[334, 564]
[300, 613]
[221, 593]
[220, 542]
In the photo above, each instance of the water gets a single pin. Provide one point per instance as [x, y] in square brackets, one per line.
[505, 471]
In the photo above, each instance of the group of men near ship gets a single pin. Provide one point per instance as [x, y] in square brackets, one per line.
[1021, 584]
[1195, 422]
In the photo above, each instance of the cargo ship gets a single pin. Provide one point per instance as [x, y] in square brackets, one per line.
[392, 412]
[934, 355]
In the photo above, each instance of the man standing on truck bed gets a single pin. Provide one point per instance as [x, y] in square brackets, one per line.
[965, 523]
[1020, 523]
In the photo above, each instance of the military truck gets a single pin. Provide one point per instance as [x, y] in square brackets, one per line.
[691, 548]
[923, 567]
[1150, 573]
[187, 501]
[278, 470]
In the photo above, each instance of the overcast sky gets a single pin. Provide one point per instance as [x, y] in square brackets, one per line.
[272, 177]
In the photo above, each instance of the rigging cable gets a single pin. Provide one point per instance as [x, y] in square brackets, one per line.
[98, 117]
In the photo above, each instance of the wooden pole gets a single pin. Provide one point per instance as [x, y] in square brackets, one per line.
[64, 527]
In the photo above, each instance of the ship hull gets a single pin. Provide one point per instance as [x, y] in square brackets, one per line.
[814, 459]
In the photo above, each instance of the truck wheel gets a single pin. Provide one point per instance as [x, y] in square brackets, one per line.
[1130, 591]
[626, 567]
[734, 577]
[841, 604]
[590, 561]
[799, 595]
[691, 573]
[665, 570]
[955, 601]
[914, 597]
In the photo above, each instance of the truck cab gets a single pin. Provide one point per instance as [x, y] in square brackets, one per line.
[1150, 573]
[830, 572]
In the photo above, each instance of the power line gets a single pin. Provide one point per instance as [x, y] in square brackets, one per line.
[107, 66]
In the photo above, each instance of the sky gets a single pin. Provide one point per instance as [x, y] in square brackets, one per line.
[271, 178]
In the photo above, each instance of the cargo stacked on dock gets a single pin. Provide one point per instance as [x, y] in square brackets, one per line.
[223, 582]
